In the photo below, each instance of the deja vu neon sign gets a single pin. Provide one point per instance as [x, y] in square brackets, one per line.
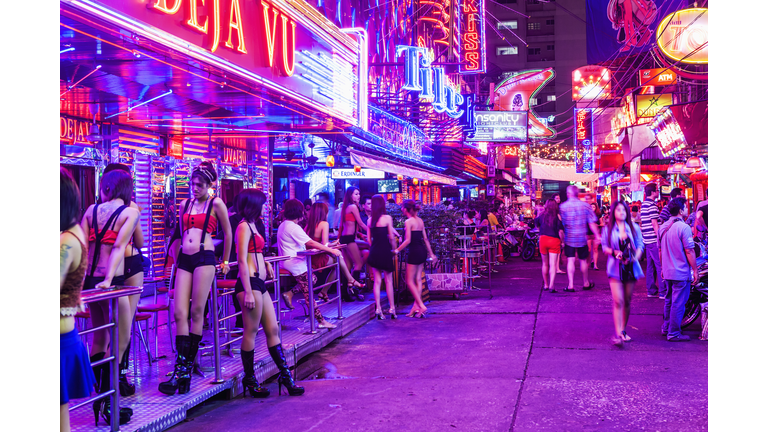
[207, 19]
[430, 81]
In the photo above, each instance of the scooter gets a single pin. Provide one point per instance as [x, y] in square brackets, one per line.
[530, 244]
[700, 291]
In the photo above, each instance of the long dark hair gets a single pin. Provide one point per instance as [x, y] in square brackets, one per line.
[347, 201]
[628, 221]
[250, 203]
[378, 208]
[317, 213]
[69, 200]
[550, 212]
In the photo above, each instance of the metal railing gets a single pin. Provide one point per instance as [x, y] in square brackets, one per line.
[111, 294]
[308, 255]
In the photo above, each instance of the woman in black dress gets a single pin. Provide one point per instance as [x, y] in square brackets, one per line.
[381, 237]
[418, 249]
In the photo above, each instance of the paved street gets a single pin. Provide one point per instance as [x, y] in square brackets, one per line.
[521, 360]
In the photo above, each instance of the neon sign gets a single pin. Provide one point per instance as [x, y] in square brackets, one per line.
[583, 141]
[73, 130]
[591, 82]
[684, 35]
[472, 24]
[668, 133]
[649, 105]
[279, 44]
[657, 77]
[430, 81]
[507, 126]
[516, 92]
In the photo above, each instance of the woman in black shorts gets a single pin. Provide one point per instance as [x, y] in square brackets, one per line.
[196, 268]
[109, 226]
[251, 292]
[418, 250]
[134, 276]
[381, 236]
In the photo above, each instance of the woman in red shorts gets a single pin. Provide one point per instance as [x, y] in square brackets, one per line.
[550, 237]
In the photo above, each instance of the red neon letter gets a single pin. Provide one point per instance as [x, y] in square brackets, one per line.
[288, 67]
[269, 37]
[193, 18]
[165, 9]
[235, 22]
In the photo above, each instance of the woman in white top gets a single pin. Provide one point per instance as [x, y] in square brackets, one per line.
[291, 239]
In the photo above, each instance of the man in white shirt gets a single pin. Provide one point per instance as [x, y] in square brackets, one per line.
[291, 239]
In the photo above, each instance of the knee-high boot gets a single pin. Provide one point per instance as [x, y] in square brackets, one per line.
[249, 381]
[181, 373]
[285, 378]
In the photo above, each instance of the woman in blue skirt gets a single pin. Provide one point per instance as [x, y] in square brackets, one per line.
[76, 379]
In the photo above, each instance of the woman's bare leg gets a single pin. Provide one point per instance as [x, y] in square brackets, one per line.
[269, 321]
[251, 319]
[377, 289]
[419, 270]
[99, 317]
[545, 270]
[552, 269]
[357, 257]
[629, 288]
[201, 280]
[64, 417]
[182, 294]
[390, 291]
[410, 282]
[617, 290]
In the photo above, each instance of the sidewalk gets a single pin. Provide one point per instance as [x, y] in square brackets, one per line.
[521, 360]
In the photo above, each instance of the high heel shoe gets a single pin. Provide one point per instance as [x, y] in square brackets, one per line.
[284, 379]
[323, 296]
[103, 407]
[126, 388]
[392, 314]
[379, 314]
[422, 314]
[249, 382]
[180, 379]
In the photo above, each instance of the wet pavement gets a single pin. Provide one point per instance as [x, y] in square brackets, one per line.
[513, 358]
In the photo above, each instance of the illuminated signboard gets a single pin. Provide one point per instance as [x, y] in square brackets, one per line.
[392, 133]
[73, 131]
[516, 92]
[649, 105]
[657, 77]
[591, 82]
[684, 36]
[430, 81]
[282, 45]
[505, 126]
[668, 133]
[583, 140]
[364, 173]
[472, 24]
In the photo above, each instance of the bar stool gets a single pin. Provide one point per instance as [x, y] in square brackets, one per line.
[154, 309]
[226, 290]
[81, 322]
[139, 317]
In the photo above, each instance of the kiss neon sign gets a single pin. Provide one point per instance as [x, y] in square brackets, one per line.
[430, 81]
[472, 25]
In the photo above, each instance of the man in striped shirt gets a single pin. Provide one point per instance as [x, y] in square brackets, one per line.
[649, 216]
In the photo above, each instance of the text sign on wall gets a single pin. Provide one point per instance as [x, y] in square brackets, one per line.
[472, 24]
[505, 126]
[684, 36]
[584, 142]
[273, 42]
[649, 105]
[73, 131]
[657, 77]
[364, 173]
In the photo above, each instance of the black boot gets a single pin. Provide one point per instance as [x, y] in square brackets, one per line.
[194, 345]
[126, 388]
[180, 378]
[285, 378]
[103, 407]
[249, 381]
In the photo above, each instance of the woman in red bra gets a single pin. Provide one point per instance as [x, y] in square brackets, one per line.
[195, 271]
[110, 226]
[251, 292]
[76, 379]
[134, 276]
[348, 227]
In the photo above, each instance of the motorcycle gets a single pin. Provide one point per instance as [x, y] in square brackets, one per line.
[700, 291]
[530, 243]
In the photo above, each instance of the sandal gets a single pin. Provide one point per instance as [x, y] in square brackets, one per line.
[619, 342]
[323, 296]
[625, 337]
[569, 290]
[589, 287]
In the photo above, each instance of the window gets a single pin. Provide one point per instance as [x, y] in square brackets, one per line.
[534, 51]
[534, 26]
[507, 25]
[534, 101]
[550, 98]
[550, 47]
[508, 50]
[551, 21]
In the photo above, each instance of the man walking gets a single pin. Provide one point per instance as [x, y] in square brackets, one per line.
[649, 215]
[677, 261]
[577, 218]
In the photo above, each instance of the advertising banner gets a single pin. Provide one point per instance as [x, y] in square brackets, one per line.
[648, 106]
[504, 126]
[584, 151]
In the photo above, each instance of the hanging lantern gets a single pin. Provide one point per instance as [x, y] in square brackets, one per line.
[425, 182]
[695, 163]
[677, 168]
[358, 168]
[330, 161]
[400, 177]
[415, 182]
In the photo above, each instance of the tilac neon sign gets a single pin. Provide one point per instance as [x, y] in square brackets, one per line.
[206, 19]
[472, 20]
[430, 81]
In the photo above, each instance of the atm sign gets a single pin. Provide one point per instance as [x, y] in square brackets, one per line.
[657, 77]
